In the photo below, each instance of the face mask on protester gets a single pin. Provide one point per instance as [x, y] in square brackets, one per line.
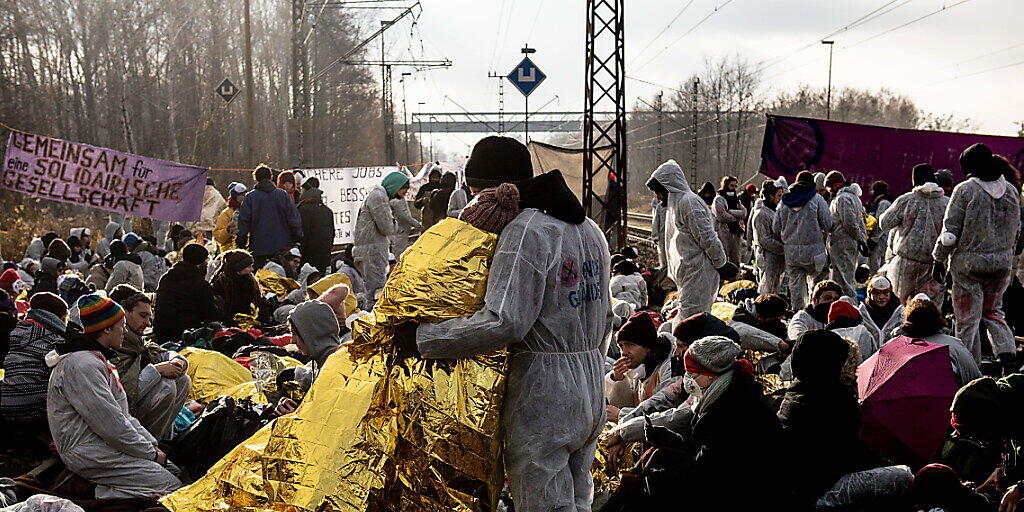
[691, 387]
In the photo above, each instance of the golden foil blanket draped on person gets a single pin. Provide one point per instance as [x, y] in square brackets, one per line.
[376, 434]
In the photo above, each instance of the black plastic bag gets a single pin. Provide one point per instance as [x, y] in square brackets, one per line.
[223, 424]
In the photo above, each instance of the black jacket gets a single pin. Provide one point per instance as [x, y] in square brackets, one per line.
[317, 233]
[184, 300]
[821, 424]
[738, 454]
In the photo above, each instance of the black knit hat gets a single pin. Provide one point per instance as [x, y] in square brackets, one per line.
[194, 254]
[639, 330]
[819, 355]
[923, 173]
[496, 160]
[977, 161]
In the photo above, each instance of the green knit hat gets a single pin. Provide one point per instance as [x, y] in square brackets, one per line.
[98, 312]
[394, 182]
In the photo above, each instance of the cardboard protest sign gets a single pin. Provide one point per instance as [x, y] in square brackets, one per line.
[345, 189]
[102, 178]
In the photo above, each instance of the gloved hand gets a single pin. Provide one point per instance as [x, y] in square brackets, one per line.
[863, 249]
[939, 272]
[728, 271]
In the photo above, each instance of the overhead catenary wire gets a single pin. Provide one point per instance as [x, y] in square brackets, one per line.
[911, 22]
[688, 32]
[662, 32]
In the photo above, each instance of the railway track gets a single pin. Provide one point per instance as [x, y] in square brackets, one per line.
[638, 230]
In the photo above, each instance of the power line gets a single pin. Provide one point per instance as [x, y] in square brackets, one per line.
[535, 18]
[670, 23]
[997, 68]
[911, 22]
[982, 56]
[853, 24]
[688, 32]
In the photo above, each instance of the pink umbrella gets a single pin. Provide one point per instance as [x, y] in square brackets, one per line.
[905, 390]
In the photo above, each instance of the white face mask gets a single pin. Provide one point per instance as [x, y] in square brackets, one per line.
[691, 387]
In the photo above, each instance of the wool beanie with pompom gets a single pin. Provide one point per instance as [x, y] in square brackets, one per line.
[493, 208]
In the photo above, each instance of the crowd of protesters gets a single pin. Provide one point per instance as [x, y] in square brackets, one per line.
[729, 359]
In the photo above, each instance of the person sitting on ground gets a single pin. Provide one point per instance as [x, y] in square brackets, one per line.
[153, 264]
[235, 287]
[126, 268]
[78, 261]
[99, 274]
[27, 270]
[46, 276]
[845, 320]
[9, 283]
[184, 299]
[731, 405]
[628, 284]
[761, 323]
[336, 297]
[936, 487]
[815, 315]
[23, 388]
[87, 410]
[882, 311]
[8, 321]
[154, 379]
[922, 320]
[112, 231]
[987, 411]
[644, 367]
[286, 264]
[314, 327]
[821, 419]
[37, 247]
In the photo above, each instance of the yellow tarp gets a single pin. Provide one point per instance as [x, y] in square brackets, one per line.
[375, 434]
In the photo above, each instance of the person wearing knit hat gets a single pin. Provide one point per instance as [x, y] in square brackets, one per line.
[845, 320]
[184, 299]
[492, 208]
[9, 282]
[923, 320]
[882, 309]
[286, 182]
[769, 254]
[226, 225]
[978, 240]
[820, 186]
[938, 487]
[375, 223]
[548, 296]
[702, 325]
[23, 388]
[915, 221]
[730, 405]
[496, 160]
[847, 240]
[761, 323]
[88, 412]
[944, 177]
[643, 368]
[821, 421]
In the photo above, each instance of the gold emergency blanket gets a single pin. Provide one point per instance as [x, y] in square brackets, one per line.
[214, 375]
[376, 434]
[271, 281]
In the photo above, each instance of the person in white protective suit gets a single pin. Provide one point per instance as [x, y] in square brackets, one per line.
[374, 224]
[769, 254]
[979, 233]
[658, 231]
[801, 222]
[730, 219]
[696, 259]
[405, 225]
[848, 237]
[547, 301]
[87, 411]
[916, 218]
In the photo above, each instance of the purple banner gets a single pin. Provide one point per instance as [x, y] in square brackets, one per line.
[866, 153]
[103, 178]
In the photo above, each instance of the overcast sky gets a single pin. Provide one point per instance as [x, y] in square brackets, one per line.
[942, 62]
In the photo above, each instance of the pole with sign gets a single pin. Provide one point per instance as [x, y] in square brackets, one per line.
[526, 77]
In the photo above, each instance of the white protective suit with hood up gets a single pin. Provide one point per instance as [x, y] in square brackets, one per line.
[978, 236]
[547, 301]
[371, 244]
[95, 435]
[111, 232]
[658, 231]
[847, 230]
[916, 218]
[769, 254]
[694, 250]
[318, 327]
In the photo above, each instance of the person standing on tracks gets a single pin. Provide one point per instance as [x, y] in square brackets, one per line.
[730, 219]
[548, 301]
[848, 237]
[696, 259]
[769, 254]
[801, 222]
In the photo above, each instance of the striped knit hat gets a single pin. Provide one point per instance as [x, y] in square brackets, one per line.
[98, 312]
